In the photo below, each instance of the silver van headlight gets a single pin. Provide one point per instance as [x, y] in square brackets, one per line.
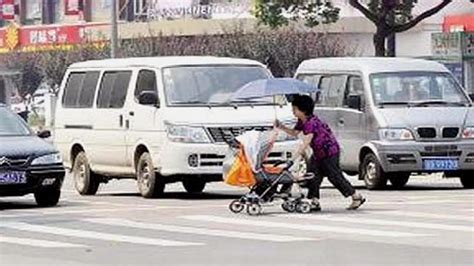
[393, 134]
[187, 134]
[54, 158]
[468, 133]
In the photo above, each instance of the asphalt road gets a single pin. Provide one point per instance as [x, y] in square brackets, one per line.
[431, 222]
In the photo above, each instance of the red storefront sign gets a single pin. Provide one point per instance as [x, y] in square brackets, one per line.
[72, 7]
[7, 9]
[51, 35]
[46, 37]
[459, 23]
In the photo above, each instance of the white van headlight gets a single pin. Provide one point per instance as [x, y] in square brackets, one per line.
[395, 134]
[54, 158]
[468, 133]
[187, 134]
[282, 136]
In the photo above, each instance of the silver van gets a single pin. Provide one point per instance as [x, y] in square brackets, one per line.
[395, 117]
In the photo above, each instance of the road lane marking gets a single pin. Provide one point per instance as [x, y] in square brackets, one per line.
[94, 235]
[368, 221]
[198, 230]
[304, 227]
[37, 243]
[430, 215]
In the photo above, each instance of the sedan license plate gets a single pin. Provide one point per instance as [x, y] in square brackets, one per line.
[441, 165]
[9, 178]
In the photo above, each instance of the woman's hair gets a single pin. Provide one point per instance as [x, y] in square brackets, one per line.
[304, 103]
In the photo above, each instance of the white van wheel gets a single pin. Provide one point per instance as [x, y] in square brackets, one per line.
[194, 186]
[372, 172]
[399, 180]
[85, 181]
[148, 182]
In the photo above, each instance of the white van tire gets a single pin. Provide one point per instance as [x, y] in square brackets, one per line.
[467, 179]
[85, 181]
[148, 181]
[399, 180]
[372, 173]
[194, 186]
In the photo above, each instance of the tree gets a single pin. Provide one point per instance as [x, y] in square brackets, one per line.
[389, 16]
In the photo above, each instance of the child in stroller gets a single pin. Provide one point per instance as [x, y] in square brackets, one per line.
[247, 166]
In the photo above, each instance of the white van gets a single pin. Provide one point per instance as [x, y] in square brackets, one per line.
[394, 117]
[159, 120]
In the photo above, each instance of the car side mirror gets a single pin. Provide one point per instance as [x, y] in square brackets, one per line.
[44, 134]
[354, 102]
[149, 98]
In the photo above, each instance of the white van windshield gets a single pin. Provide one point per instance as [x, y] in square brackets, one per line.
[11, 125]
[211, 85]
[417, 89]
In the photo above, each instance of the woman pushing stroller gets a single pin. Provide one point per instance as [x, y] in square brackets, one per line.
[326, 151]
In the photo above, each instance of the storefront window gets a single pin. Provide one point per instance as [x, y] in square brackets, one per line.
[33, 12]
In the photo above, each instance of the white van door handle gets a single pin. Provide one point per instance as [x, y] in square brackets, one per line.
[121, 120]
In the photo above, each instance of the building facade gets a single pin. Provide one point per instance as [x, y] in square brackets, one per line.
[28, 25]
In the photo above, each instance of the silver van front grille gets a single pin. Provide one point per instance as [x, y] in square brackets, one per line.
[450, 132]
[426, 132]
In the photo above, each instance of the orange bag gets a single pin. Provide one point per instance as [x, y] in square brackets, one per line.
[241, 173]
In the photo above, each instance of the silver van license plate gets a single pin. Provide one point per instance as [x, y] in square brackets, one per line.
[7, 178]
[440, 164]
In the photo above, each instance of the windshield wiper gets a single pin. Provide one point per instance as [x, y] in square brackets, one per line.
[438, 102]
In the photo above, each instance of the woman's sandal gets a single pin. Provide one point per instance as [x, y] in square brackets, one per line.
[356, 203]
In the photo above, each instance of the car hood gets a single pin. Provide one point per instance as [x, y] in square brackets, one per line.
[243, 115]
[424, 116]
[23, 147]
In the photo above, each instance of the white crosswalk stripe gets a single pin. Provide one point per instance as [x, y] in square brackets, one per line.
[37, 243]
[467, 218]
[198, 230]
[304, 227]
[93, 235]
[368, 221]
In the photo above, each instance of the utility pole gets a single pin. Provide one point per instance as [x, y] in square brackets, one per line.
[114, 30]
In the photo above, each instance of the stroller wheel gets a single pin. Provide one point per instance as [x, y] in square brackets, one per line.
[303, 207]
[236, 206]
[254, 209]
[288, 206]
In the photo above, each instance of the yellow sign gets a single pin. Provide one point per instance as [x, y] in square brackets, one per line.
[12, 36]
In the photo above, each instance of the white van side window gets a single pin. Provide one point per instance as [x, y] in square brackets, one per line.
[113, 89]
[332, 90]
[80, 89]
[146, 81]
[312, 79]
[355, 87]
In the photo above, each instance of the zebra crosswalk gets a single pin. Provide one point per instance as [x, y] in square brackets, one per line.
[182, 231]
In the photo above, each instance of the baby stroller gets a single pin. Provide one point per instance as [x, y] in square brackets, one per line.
[246, 166]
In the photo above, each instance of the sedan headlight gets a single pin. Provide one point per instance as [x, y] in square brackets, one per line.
[392, 134]
[187, 134]
[468, 133]
[54, 158]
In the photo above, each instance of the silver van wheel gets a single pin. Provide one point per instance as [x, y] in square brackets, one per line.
[148, 182]
[372, 172]
[85, 181]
